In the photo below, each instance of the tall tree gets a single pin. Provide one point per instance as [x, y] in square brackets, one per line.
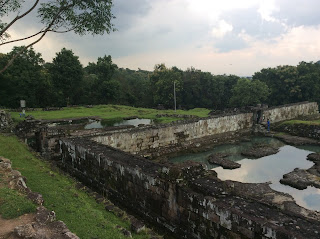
[104, 88]
[78, 16]
[25, 80]
[67, 76]
[162, 83]
[247, 92]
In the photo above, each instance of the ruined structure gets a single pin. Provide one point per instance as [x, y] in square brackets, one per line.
[5, 121]
[186, 199]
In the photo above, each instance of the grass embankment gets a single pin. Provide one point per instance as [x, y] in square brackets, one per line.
[76, 208]
[111, 112]
[307, 122]
[14, 204]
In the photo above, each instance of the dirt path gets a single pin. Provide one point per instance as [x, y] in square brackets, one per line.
[7, 226]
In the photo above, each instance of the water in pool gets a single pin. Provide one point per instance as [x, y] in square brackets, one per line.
[266, 169]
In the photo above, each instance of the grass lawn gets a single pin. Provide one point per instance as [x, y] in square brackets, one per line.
[76, 208]
[111, 112]
[311, 122]
[14, 204]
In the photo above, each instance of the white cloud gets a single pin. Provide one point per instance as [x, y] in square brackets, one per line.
[222, 29]
[267, 9]
[230, 36]
[289, 49]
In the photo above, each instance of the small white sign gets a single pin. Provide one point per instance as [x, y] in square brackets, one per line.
[22, 103]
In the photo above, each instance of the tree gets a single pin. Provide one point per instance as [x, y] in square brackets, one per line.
[78, 16]
[26, 80]
[104, 88]
[67, 76]
[247, 92]
[162, 80]
[283, 82]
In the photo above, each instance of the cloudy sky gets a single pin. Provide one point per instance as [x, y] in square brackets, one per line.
[220, 36]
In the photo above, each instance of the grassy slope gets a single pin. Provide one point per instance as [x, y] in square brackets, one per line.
[14, 204]
[111, 112]
[311, 122]
[80, 212]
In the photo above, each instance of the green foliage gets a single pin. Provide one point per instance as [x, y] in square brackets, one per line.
[81, 213]
[247, 92]
[13, 204]
[67, 75]
[25, 80]
[102, 88]
[290, 84]
[134, 87]
[162, 85]
[90, 16]
[79, 16]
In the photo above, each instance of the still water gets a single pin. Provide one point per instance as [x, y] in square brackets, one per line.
[266, 169]
[98, 124]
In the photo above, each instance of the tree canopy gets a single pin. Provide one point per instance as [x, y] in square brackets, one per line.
[64, 81]
[78, 16]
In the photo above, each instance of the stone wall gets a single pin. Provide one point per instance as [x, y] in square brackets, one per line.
[159, 140]
[5, 120]
[174, 135]
[292, 111]
[185, 199]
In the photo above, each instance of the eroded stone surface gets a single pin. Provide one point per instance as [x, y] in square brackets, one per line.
[5, 121]
[260, 150]
[301, 178]
[221, 160]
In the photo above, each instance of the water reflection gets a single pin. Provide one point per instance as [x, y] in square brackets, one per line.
[266, 169]
[233, 150]
[94, 124]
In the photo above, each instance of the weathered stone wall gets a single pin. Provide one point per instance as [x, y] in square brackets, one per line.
[292, 111]
[5, 120]
[148, 138]
[185, 199]
[195, 132]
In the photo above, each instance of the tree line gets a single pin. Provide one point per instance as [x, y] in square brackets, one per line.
[64, 81]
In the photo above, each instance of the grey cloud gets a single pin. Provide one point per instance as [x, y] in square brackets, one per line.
[127, 11]
[299, 12]
[251, 22]
[230, 42]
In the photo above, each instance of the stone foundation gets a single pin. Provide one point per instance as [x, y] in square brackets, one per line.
[5, 121]
[187, 200]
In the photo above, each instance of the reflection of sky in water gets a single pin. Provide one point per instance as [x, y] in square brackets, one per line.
[233, 150]
[101, 124]
[266, 169]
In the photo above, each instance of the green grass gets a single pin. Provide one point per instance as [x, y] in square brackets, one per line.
[76, 208]
[14, 204]
[307, 122]
[110, 112]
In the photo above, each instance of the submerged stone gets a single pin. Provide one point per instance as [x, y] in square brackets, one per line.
[300, 179]
[220, 159]
[260, 150]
